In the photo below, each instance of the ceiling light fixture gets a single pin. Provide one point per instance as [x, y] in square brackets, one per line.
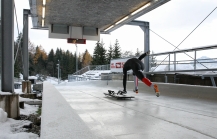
[44, 2]
[121, 20]
[43, 12]
[109, 27]
[42, 23]
[140, 9]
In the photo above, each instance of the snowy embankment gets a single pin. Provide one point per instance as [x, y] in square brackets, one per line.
[14, 129]
[94, 74]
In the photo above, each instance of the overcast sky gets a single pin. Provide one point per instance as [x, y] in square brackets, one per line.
[173, 21]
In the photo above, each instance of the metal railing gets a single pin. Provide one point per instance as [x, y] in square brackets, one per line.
[202, 67]
[197, 64]
[92, 67]
[77, 76]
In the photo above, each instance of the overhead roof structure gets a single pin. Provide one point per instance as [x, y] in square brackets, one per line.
[106, 15]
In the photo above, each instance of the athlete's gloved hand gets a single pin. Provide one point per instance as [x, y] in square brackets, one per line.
[148, 52]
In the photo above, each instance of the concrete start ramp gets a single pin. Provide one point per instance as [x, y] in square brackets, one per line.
[182, 111]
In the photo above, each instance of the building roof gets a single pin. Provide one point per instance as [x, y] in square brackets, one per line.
[100, 14]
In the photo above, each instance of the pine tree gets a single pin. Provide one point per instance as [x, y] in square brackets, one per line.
[32, 50]
[117, 51]
[50, 63]
[109, 54]
[86, 60]
[138, 53]
[40, 61]
[71, 63]
[57, 58]
[79, 61]
[18, 63]
[99, 54]
[64, 64]
[17, 55]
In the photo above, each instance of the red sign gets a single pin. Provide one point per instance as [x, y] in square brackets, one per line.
[112, 65]
[118, 65]
[76, 41]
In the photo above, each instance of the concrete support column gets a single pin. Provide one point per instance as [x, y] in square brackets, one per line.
[25, 44]
[26, 87]
[7, 83]
[10, 104]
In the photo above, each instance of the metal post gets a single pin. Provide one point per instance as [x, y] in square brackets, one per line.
[174, 61]
[58, 71]
[60, 74]
[195, 56]
[76, 58]
[146, 47]
[165, 78]
[7, 34]
[25, 44]
[169, 63]
[213, 81]
[145, 27]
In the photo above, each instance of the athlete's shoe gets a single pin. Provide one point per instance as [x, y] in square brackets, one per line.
[121, 92]
[136, 91]
[156, 90]
[124, 92]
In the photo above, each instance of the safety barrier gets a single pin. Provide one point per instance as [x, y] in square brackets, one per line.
[166, 89]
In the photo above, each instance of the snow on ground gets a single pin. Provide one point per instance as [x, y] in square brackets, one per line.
[3, 116]
[29, 109]
[94, 74]
[5, 93]
[52, 80]
[180, 67]
[159, 68]
[18, 91]
[33, 77]
[28, 99]
[12, 129]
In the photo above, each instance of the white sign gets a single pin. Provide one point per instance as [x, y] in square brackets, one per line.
[116, 65]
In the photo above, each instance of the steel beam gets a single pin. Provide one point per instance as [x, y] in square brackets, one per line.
[169, 63]
[174, 61]
[163, 72]
[26, 13]
[213, 81]
[147, 47]
[195, 58]
[145, 27]
[7, 9]
[211, 78]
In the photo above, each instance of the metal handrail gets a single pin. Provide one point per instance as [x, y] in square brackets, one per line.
[215, 69]
[175, 62]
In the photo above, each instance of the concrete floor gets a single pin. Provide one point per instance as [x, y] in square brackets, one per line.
[144, 117]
